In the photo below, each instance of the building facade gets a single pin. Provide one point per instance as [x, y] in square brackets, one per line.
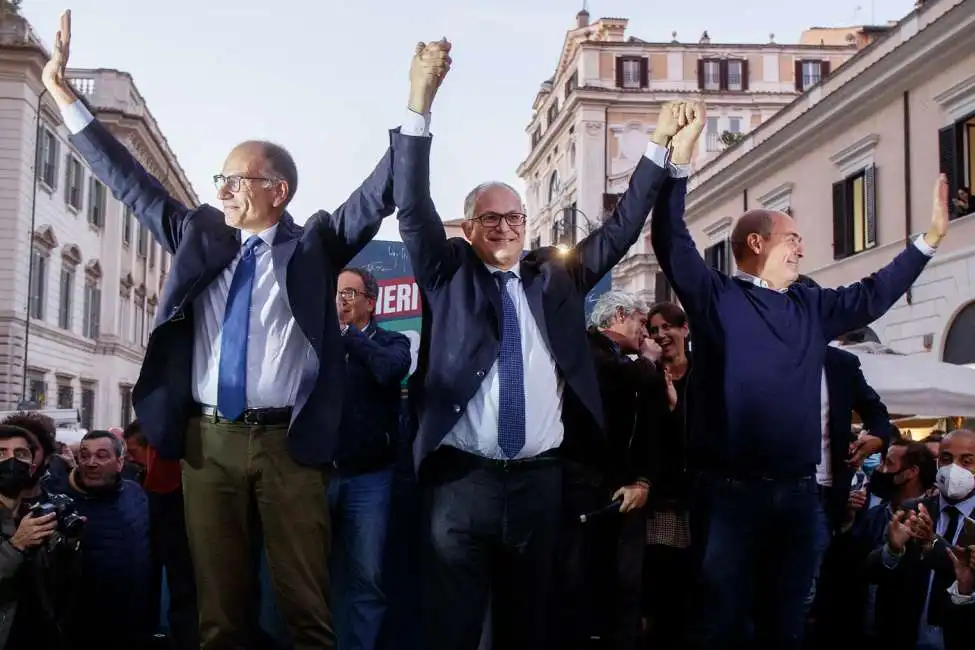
[591, 121]
[854, 161]
[79, 277]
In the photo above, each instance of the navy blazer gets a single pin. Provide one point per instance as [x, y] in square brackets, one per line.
[460, 337]
[307, 261]
[848, 392]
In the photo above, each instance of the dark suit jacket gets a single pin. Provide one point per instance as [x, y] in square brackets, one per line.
[462, 302]
[377, 361]
[848, 392]
[307, 261]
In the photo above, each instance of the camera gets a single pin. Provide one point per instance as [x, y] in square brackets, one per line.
[70, 523]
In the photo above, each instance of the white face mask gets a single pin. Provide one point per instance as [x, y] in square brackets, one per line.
[955, 482]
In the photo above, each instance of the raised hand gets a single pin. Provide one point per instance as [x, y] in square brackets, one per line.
[899, 530]
[54, 73]
[431, 62]
[668, 123]
[939, 213]
[963, 559]
[692, 118]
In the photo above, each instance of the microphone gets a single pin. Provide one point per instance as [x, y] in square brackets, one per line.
[612, 506]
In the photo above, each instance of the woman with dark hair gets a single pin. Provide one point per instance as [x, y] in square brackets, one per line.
[667, 565]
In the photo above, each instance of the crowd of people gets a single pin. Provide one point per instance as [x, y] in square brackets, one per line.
[666, 475]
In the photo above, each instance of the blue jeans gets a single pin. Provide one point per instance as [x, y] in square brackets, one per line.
[758, 557]
[360, 520]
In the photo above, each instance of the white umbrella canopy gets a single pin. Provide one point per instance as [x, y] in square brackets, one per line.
[916, 385]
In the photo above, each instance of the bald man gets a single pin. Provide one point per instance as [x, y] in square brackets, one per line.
[759, 344]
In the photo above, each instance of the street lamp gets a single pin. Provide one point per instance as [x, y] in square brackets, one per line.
[568, 225]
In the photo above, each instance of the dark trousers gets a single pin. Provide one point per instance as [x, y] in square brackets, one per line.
[599, 568]
[171, 552]
[758, 556]
[232, 475]
[492, 530]
[667, 584]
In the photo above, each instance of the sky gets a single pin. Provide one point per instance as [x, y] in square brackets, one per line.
[327, 79]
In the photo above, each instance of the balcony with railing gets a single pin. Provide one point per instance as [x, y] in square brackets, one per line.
[107, 89]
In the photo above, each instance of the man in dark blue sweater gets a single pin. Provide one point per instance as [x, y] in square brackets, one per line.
[759, 344]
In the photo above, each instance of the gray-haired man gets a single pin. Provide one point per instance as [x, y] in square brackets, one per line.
[602, 558]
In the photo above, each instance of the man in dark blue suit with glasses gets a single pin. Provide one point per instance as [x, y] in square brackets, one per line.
[245, 366]
[497, 328]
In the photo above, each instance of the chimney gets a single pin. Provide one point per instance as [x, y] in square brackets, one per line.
[582, 19]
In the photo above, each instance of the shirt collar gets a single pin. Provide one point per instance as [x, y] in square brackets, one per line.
[966, 506]
[516, 269]
[267, 235]
[758, 282]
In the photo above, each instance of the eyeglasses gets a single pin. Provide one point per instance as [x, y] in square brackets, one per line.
[232, 183]
[493, 219]
[349, 295]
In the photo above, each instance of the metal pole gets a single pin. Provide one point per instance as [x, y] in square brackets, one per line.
[30, 239]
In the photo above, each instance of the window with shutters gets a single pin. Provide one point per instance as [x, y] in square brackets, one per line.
[127, 221]
[97, 202]
[65, 393]
[718, 256]
[553, 111]
[48, 155]
[712, 135]
[536, 137]
[568, 229]
[553, 187]
[91, 314]
[125, 400]
[39, 262]
[88, 405]
[142, 246]
[36, 387]
[956, 159]
[632, 72]
[722, 74]
[810, 73]
[66, 297]
[74, 183]
[571, 84]
[855, 213]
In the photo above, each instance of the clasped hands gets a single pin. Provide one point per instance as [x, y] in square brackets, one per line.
[679, 127]
[918, 526]
[430, 65]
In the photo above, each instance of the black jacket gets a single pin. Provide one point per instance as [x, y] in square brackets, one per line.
[634, 398]
[377, 361]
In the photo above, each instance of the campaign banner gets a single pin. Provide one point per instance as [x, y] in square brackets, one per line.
[398, 303]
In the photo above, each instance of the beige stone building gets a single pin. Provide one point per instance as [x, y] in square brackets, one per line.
[79, 278]
[591, 120]
[854, 161]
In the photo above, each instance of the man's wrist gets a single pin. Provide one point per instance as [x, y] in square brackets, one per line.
[420, 101]
[681, 156]
[63, 94]
[662, 140]
[933, 239]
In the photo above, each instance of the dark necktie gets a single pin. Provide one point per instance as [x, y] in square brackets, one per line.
[942, 579]
[511, 374]
[232, 377]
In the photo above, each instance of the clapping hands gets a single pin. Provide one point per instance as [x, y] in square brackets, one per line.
[430, 65]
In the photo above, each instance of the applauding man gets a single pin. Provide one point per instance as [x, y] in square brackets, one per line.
[244, 371]
[759, 343]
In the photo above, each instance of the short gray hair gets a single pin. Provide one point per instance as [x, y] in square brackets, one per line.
[470, 201]
[611, 302]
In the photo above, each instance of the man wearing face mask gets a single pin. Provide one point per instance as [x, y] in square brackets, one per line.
[916, 563]
[34, 556]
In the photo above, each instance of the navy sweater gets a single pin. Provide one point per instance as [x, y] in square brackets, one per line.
[758, 354]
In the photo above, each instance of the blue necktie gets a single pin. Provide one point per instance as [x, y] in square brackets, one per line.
[232, 378]
[511, 374]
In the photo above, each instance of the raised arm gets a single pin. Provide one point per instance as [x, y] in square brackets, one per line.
[431, 256]
[858, 305]
[108, 158]
[694, 281]
[597, 254]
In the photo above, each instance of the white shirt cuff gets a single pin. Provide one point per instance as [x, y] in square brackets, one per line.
[679, 171]
[415, 125]
[76, 117]
[924, 247]
[960, 599]
[657, 155]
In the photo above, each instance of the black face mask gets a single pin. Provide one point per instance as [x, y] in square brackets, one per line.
[15, 477]
[882, 484]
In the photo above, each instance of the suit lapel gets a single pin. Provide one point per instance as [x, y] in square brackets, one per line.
[220, 247]
[285, 241]
[532, 282]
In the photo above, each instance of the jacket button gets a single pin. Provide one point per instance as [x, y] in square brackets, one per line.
[479, 373]
[456, 408]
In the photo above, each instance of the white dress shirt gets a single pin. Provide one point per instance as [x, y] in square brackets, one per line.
[477, 430]
[277, 349]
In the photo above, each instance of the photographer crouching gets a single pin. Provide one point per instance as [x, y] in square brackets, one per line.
[38, 549]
